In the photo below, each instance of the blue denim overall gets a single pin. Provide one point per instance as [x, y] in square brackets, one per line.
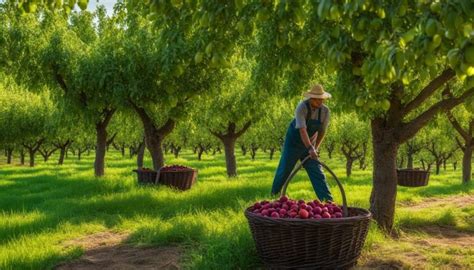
[293, 150]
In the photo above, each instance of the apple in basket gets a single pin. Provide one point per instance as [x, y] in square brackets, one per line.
[174, 168]
[285, 207]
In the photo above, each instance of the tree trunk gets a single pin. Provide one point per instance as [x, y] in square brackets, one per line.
[228, 139]
[410, 160]
[467, 163]
[244, 150]
[32, 157]
[253, 152]
[438, 166]
[79, 155]
[401, 162]
[272, 152]
[229, 150]
[176, 151]
[384, 191]
[140, 155]
[62, 154]
[349, 162]
[101, 146]
[455, 165]
[200, 150]
[9, 155]
[22, 157]
[154, 136]
[423, 164]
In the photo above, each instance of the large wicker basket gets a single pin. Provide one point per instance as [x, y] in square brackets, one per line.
[182, 180]
[310, 243]
[146, 176]
[413, 177]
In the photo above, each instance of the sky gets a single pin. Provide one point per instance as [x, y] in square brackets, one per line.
[109, 5]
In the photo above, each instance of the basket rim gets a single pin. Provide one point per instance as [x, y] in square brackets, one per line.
[412, 170]
[185, 170]
[368, 215]
[140, 170]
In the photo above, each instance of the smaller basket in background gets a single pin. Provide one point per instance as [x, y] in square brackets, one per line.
[413, 177]
[182, 178]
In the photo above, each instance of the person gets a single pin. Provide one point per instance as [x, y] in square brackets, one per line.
[304, 137]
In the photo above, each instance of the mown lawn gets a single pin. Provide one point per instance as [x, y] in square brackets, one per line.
[43, 207]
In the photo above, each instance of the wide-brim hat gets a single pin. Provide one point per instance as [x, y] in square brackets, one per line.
[317, 91]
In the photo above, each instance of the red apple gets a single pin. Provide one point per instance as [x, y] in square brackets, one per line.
[301, 202]
[317, 210]
[275, 215]
[264, 212]
[316, 216]
[283, 199]
[326, 215]
[338, 215]
[282, 212]
[303, 214]
[293, 214]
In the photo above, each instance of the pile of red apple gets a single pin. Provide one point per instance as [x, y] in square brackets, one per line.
[286, 208]
[174, 168]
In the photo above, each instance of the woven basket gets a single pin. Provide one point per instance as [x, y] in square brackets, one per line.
[146, 176]
[336, 243]
[182, 180]
[413, 177]
[310, 243]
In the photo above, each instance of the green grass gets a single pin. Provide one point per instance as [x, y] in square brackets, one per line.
[42, 207]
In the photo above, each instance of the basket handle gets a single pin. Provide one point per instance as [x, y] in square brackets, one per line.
[298, 167]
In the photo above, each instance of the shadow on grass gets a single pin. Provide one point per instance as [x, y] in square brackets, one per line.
[78, 201]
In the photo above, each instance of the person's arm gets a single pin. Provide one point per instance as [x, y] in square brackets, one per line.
[305, 138]
[300, 117]
[320, 135]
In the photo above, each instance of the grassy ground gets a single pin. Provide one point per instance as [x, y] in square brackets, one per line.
[42, 207]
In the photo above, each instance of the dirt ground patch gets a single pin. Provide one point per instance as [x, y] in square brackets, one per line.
[414, 250]
[106, 250]
[461, 201]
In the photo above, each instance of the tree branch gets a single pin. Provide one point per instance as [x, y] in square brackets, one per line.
[242, 131]
[408, 130]
[457, 126]
[217, 134]
[109, 141]
[166, 128]
[429, 90]
[459, 143]
[59, 78]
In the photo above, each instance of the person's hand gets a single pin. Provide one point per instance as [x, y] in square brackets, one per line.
[313, 153]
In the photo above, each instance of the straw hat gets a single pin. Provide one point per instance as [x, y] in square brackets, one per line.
[317, 91]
